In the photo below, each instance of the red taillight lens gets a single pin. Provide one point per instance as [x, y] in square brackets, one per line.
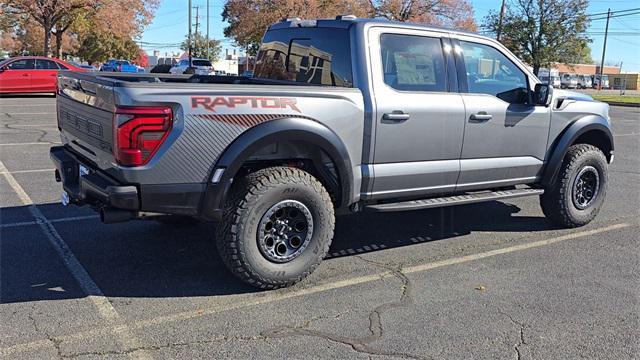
[140, 133]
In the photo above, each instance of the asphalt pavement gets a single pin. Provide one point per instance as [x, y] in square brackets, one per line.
[482, 281]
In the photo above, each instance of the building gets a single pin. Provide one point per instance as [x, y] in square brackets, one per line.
[628, 81]
[585, 69]
[229, 63]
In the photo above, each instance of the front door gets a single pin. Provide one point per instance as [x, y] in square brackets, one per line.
[505, 137]
[17, 76]
[419, 118]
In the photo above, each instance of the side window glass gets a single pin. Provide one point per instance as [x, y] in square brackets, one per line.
[490, 72]
[46, 65]
[413, 63]
[24, 64]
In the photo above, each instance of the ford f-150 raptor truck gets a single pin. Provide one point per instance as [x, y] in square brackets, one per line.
[341, 115]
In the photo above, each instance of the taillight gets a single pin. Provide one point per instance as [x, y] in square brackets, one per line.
[138, 133]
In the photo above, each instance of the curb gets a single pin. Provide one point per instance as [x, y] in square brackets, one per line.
[622, 104]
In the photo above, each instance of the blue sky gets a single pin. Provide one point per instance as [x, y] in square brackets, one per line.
[170, 27]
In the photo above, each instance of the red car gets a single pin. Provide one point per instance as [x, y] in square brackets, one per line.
[24, 74]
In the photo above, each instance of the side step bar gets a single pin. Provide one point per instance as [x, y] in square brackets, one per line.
[452, 200]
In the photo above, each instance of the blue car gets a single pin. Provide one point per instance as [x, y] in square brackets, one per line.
[120, 66]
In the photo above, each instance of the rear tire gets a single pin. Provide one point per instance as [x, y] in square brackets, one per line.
[254, 241]
[580, 188]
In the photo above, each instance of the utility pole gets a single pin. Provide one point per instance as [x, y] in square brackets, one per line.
[208, 29]
[189, 36]
[197, 24]
[604, 50]
[502, 10]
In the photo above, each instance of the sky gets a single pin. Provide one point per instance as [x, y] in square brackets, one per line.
[169, 27]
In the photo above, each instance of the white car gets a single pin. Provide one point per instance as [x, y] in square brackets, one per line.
[201, 66]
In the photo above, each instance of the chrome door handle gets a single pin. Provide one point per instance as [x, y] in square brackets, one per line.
[396, 115]
[480, 117]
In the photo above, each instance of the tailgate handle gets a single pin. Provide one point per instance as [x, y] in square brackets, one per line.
[396, 116]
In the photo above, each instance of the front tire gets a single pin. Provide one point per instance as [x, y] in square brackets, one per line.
[277, 227]
[578, 194]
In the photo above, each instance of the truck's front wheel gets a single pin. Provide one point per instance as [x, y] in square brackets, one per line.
[277, 227]
[578, 194]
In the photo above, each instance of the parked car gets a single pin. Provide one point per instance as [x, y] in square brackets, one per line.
[247, 73]
[343, 115]
[24, 74]
[584, 82]
[84, 66]
[199, 67]
[568, 81]
[595, 81]
[551, 80]
[120, 66]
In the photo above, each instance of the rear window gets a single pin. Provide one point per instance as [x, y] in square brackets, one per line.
[319, 56]
[201, 62]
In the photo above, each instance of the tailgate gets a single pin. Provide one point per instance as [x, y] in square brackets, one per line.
[85, 106]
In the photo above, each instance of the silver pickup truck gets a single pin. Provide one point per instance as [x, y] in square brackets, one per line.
[342, 115]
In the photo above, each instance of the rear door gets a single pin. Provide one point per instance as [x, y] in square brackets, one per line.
[17, 77]
[505, 137]
[419, 119]
[43, 78]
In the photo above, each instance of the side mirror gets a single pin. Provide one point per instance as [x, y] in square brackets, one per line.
[4, 68]
[543, 94]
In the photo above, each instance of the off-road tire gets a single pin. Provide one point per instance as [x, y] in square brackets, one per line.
[251, 197]
[557, 201]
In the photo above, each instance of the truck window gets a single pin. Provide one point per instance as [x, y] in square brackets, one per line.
[22, 64]
[413, 63]
[491, 72]
[319, 56]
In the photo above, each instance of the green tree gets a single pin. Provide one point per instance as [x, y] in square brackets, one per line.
[543, 31]
[99, 47]
[199, 47]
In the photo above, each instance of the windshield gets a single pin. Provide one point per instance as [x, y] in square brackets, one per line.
[122, 63]
[320, 56]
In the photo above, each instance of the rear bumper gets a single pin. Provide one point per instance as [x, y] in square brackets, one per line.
[95, 188]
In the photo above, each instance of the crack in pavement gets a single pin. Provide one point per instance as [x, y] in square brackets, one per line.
[521, 326]
[376, 329]
[40, 139]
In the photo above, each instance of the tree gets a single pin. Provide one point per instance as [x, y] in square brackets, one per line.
[199, 47]
[101, 46]
[543, 31]
[45, 12]
[248, 19]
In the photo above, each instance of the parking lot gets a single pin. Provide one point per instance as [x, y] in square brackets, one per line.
[492, 280]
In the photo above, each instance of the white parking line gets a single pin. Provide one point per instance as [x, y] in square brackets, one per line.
[28, 171]
[28, 223]
[35, 125]
[26, 105]
[106, 311]
[30, 113]
[32, 143]
[630, 134]
[274, 296]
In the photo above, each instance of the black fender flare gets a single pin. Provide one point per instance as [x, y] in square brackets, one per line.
[568, 137]
[285, 129]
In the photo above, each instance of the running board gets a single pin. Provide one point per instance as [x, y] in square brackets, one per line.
[453, 200]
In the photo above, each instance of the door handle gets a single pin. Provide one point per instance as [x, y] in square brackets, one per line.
[396, 116]
[480, 117]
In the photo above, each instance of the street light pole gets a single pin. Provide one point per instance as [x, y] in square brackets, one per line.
[604, 50]
[208, 30]
[189, 36]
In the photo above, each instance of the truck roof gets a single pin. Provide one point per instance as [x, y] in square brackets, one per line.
[346, 21]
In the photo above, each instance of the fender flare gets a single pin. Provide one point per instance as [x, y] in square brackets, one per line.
[568, 137]
[285, 129]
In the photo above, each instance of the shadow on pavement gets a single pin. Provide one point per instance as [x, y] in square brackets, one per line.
[149, 259]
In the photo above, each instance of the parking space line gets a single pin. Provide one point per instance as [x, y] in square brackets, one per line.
[28, 223]
[24, 105]
[631, 134]
[28, 171]
[30, 113]
[106, 311]
[289, 294]
[35, 125]
[32, 143]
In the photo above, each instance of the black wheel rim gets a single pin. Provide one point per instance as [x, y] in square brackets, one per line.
[586, 187]
[285, 231]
